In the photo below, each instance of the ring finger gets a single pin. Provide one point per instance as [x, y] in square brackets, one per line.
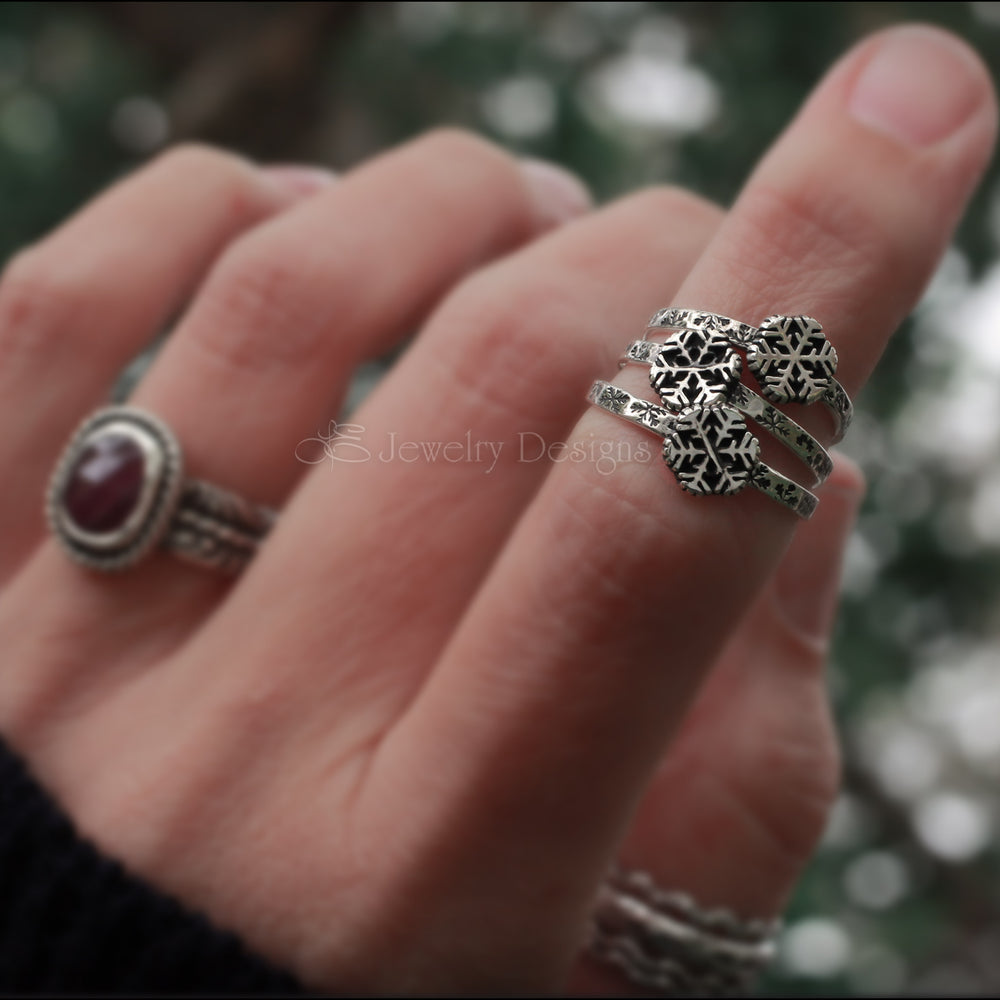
[258, 362]
[68, 322]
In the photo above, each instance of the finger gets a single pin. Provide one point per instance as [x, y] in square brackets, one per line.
[496, 380]
[380, 560]
[255, 662]
[737, 805]
[269, 342]
[290, 311]
[75, 307]
[583, 647]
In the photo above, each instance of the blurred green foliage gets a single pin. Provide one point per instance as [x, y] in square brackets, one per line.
[625, 94]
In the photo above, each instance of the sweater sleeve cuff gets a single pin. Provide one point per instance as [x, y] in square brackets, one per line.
[73, 920]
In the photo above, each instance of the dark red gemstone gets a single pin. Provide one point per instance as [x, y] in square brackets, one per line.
[105, 484]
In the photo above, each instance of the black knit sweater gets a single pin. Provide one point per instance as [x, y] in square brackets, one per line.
[73, 921]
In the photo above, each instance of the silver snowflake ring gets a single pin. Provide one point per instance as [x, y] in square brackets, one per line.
[788, 355]
[708, 448]
[118, 492]
[694, 368]
[733, 393]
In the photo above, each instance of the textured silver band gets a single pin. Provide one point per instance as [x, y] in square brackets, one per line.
[661, 421]
[135, 459]
[216, 528]
[664, 942]
[749, 338]
[785, 430]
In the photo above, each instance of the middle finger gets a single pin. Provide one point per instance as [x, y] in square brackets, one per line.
[465, 428]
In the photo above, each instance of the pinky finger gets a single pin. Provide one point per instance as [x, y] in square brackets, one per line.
[741, 798]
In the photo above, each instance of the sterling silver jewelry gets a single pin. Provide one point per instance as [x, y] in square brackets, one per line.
[696, 367]
[118, 491]
[707, 447]
[789, 355]
[663, 941]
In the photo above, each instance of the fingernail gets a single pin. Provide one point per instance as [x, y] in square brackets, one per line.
[298, 180]
[807, 584]
[558, 195]
[921, 86]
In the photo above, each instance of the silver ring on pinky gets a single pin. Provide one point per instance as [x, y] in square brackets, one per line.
[665, 942]
[118, 492]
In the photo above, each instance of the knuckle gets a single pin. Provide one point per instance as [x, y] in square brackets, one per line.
[665, 203]
[459, 145]
[39, 300]
[459, 173]
[242, 710]
[800, 237]
[519, 339]
[236, 183]
[255, 313]
[191, 160]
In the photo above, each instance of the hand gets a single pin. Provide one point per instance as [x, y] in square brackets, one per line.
[400, 752]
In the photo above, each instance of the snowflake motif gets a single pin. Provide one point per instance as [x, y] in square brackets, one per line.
[820, 463]
[694, 369]
[711, 451]
[792, 359]
[704, 321]
[693, 319]
[764, 479]
[687, 319]
[648, 413]
[785, 492]
[772, 420]
[614, 399]
[842, 407]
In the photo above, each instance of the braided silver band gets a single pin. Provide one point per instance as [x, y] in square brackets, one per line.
[760, 342]
[706, 436]
[663, 941]
[789, 433]
[118, 491]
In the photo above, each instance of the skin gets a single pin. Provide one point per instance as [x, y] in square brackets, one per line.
[398, 754]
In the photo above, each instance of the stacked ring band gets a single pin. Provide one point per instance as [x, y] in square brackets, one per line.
[664, 942]
[792, 435]
[789, 355]
[119, 491]
[708, 448]
[696, 374]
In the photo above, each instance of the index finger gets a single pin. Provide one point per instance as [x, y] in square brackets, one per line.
[586, 643]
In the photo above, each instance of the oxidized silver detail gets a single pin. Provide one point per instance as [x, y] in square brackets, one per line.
[792, 359]
[694, 368]
[747, 337]
[788, 433]
[665, 942]
[653, 417]
[710, 450]
[199, 521]
[785, 430]
[740, 334]
[660, 421]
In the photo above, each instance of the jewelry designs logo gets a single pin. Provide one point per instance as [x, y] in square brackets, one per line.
[346, 443]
